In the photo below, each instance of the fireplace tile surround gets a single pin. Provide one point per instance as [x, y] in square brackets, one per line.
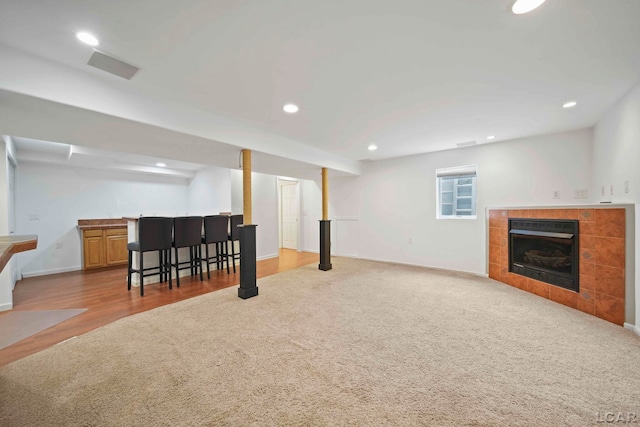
[602, 259]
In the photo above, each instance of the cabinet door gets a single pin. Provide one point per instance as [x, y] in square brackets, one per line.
[93, 249]
[116, 246]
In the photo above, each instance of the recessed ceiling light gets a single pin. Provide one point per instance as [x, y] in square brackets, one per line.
[491, 137]
[525, 6]
[161, 165]
[372, 147]
[569, 104]
[290, 108]
[87, 38]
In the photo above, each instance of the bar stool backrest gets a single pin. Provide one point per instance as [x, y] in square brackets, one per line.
[235, 221]
[187, 231]
[216, 228]
[154, 233]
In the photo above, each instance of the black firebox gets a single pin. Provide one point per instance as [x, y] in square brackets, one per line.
[545, 250]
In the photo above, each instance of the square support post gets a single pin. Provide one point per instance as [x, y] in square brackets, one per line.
[248, 281]
[325, 245]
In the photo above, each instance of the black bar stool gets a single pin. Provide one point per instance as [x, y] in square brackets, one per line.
[154, 234]
[234, 236]
[216, 232]
[187, 233]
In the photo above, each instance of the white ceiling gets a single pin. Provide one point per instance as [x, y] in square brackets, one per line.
[410, 76]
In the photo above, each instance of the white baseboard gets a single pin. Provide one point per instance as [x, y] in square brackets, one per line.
[634, 328]
[6, 306]
[448, 270]
[267, 257]
[353, 256]
[47, 272]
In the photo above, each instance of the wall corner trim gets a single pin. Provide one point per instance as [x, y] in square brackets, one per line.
[633, 328]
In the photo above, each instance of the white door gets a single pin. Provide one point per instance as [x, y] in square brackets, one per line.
[289, 209]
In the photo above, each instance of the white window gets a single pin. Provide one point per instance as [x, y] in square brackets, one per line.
[456, 192]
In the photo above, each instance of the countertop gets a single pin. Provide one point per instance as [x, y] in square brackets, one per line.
[10, 245]
[99, 224]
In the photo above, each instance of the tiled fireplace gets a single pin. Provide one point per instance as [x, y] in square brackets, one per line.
[601, 259]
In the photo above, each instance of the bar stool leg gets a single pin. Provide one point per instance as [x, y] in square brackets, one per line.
[194, 255]
[141, 274]
[200, 261]
[218, 258]
[129, 272]
[177, 264]
[206, 250]
[159, 264]
[233, 255]
[167, 265]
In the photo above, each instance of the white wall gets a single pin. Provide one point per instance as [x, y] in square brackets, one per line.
[236, 191]
[11, 208]
[264, 193]
[210, 191]
[61, 196]
[616, 150]
[265, 212]
[6, 285]
[394, 200]
[616, 154]
[311, 209]
[637, 267]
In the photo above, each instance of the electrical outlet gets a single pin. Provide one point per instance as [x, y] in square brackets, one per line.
[602, 191]
[626, 186]
[581, 194]
[410, 241]
[556, 194]
[612, 189]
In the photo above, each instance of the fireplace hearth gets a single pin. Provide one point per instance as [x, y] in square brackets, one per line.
[545, 250]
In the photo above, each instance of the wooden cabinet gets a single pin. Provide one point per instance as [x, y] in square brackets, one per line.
[93, 248]
[115, 244]
[105, 247]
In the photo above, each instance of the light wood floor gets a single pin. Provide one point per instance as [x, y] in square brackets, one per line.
[104, 294]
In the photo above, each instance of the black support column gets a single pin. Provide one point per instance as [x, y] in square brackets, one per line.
[325, 245]
[248, 286]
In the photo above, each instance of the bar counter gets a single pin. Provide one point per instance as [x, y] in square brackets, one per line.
[10, 245]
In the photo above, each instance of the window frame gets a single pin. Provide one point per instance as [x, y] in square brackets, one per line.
[455, 174]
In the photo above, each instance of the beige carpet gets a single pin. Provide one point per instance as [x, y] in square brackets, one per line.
[18, 325]
[363, 344]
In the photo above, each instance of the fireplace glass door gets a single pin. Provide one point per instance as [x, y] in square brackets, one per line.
[545, 250]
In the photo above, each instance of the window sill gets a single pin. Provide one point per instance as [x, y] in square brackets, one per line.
[457, 217]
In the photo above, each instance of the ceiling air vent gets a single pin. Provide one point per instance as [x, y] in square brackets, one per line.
[112, 65]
